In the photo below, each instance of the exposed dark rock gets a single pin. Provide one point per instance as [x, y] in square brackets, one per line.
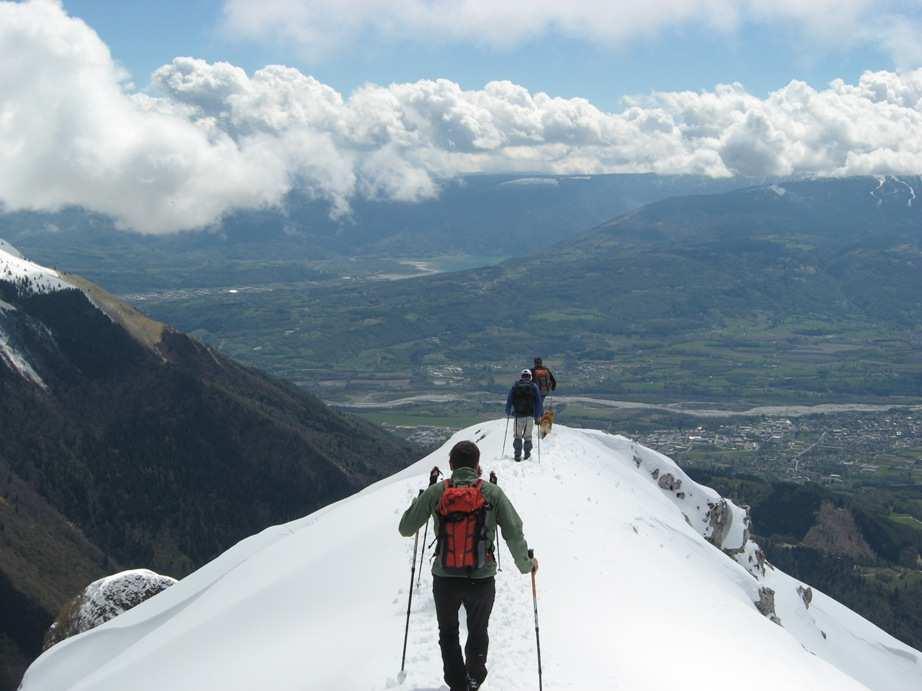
[720, 518]
[836, 532]
[806, 594]
[103, 600]
[669, 483]
[766, 604]
[761, 561]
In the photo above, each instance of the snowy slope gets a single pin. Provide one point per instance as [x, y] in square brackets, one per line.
[27, 275]
[632, 597]
[9, 249]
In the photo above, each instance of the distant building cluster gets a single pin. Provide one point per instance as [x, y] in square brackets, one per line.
[832, 448]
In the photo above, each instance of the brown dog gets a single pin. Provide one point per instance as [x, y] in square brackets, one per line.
[547, 421]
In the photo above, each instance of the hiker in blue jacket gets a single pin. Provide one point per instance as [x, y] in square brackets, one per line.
[524, 400]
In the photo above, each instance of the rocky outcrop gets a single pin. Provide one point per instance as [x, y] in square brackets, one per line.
[836, 532]
[721, 522]
[806, 594]
[720, 518]
[766, 604]
[669, 483]
[103, 600]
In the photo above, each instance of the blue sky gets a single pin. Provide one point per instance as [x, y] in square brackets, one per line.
[763, 57]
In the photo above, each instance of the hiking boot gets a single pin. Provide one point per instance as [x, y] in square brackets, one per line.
[471, 684]
[518, 459]
[527, 455]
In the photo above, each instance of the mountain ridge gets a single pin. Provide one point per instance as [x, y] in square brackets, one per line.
[673, 584]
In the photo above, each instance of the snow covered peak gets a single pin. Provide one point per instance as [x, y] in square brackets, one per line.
[26, 275]
[648, 581]
[28, 278]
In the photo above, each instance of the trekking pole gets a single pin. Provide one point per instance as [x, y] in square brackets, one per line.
[499, 566]
[406, 631]
[506, 434]
[433, 478]
[422, 556]
[534, 599]
[539, 446]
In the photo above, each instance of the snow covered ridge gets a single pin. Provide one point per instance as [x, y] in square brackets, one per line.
[9, 249]
[27, 276]
[648, 582]
[105, 599]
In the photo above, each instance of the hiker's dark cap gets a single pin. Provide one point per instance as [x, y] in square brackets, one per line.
[464, 454]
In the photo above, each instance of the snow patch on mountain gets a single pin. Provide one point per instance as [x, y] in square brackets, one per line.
[14, 359]
[528, 182]
[9, 249]
[891, 189]
[648, 581]
[27, 276]
[910, 188]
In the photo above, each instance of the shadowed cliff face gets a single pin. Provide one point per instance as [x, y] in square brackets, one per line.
[124, 443]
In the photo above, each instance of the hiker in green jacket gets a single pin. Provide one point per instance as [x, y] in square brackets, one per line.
[465, 512]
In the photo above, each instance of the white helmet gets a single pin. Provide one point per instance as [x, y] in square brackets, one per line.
[526, 374]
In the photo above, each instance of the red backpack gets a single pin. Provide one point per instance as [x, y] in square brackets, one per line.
[462, 514]
[542, 377]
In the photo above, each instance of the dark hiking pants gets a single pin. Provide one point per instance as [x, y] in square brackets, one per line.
[477, 596]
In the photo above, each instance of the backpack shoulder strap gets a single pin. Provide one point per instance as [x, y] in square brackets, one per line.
[480, 485]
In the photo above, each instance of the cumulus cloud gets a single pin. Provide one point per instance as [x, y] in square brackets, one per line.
[69, 134]
[209, 138]
[322, 26]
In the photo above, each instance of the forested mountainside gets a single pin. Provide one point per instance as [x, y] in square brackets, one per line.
[125, 443]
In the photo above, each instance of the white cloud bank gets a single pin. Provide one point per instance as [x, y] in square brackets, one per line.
[210, 138]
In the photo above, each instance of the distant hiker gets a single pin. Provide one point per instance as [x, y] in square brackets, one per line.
[466, 511]
[524, 400]
[543, 377]
[545, 381]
